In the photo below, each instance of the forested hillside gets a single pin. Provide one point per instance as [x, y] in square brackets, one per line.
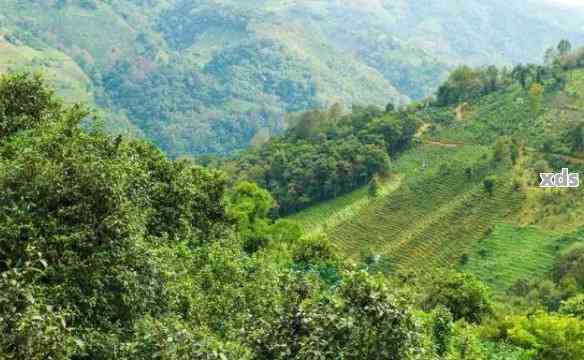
[376, 195]
[109, 250]
[465, 195]
[207, 76]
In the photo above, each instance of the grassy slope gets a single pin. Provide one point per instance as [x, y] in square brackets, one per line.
[69, 80]
[438, 218]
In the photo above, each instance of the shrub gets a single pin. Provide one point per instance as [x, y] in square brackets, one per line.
[574, 306]
[550, 336]
[489, 184]
[462, 294]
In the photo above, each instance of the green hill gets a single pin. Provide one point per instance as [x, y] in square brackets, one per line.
[223, 71]
[439, 211]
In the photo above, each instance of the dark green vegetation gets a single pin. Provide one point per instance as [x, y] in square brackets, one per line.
[325, 154]
[207, 76]
[467, 198]
[110, 250]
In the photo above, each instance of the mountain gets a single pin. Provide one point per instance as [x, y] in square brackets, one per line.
[467, 196]
[207, 76]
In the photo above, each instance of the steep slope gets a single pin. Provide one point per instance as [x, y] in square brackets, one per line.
[206, 76]
[457, 202]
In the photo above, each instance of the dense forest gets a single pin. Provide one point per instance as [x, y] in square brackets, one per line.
[326, 153]
[207, 76]
[109, 249]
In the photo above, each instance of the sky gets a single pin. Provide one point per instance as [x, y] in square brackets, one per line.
[566, 2]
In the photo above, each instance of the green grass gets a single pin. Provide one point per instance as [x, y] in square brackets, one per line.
[63, 73]
[511, 253]
[329, 214]
[430, 217]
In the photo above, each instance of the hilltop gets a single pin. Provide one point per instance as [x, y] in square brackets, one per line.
[224, 72]
[467, 196]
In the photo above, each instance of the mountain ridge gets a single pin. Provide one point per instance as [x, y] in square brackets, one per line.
[206, 77]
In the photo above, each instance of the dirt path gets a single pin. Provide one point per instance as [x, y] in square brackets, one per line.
[442, 143]
[572, 159]
[422, 130]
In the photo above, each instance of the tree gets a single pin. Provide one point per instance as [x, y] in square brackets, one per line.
[521, 74]
[359, 319]
[576, 135]
[570, 264]
[564, 47]
[464, 344]
[553, 337]
[442, 324]
[550, 56]
[535, 98]
[374, 187]
[492, 75]
[25, 102]
[248, 203]
[574, 306]
[462, 294]
[489, 184]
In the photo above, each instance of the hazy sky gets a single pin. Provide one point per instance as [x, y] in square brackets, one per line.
[566, 2]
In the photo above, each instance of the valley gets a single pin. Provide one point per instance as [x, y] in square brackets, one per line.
[291, 179]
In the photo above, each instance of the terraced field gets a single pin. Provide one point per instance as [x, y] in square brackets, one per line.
[430, 215]
[330, 214]
[511, 253]
[438, 214]
[433, 219]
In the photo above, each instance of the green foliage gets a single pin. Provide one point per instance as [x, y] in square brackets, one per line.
[489, 184]
[467, 84]
[226, 70]
[442, 324]
[25, 102]
[465, 345]
[31, 329]
[502, 149]
[169, 338]
[570, 264]
[374, 187]
[550, 336]
[249, 203]
[564, 47]
[323, 156]
[535, 98]
[110, 250]
[462, 294]
[361, 319]
[312, 250]
[574, 307]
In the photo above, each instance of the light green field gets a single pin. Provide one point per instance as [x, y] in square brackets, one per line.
[326, 215]
[511, 253]
[430, 217]
[62, 72]
[408, 165]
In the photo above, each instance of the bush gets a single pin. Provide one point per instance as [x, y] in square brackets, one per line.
[489, 184]
[571, 264]
[574, 306]
[25, 103]
[550, 336]
[462, 294]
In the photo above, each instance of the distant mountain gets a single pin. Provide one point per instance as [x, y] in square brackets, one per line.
[207, 76]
